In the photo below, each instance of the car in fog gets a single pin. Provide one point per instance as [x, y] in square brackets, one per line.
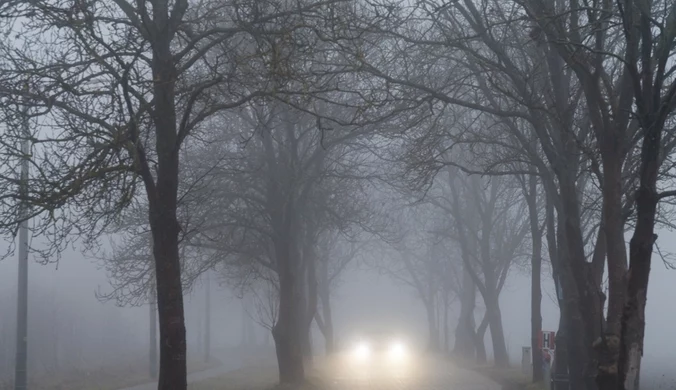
[380, 349]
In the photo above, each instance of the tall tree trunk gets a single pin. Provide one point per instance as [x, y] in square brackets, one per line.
[481, 355]
[640, 257]
[616, 252]
[303, 312]
[328, 326]
[307, 348]
[244, 337]
[329, 338]
[173, 373]
[465, 331]
[561, 351]
[497, 333]
[536, 273]
[163, 203]
[153, 339]
[325, 321]
[432, 328]
[447, 347]
[555, 255]
[581, 295]
[311, 299]
[287, 331]
[207, 321]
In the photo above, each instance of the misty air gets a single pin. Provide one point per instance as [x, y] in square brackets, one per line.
[337, 195]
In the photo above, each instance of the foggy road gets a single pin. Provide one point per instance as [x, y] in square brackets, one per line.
[461, 380]
[429, 375]
[426, 374]
[229, 362]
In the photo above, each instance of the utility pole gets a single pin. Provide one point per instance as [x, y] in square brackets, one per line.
[153, 334]
[21, 364]
[207, 321]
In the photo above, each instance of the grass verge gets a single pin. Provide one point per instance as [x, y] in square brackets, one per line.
[509, 378]
[102, 378]
[259, 378]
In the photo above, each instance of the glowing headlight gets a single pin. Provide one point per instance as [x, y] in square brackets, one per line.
[362, 350]
[397, 350]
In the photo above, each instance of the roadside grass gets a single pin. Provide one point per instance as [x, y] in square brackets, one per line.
[102, 378]
[510, 378]
[250, 378]
[259, 378]
[263, 378]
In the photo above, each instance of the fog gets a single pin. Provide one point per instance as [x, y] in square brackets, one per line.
[203, 187]
[70, 329]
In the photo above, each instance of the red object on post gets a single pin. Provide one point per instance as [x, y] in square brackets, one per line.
[547, 340]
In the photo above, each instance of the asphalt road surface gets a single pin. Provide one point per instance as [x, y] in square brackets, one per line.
[417, 374]
[229, 362]
[423, 374]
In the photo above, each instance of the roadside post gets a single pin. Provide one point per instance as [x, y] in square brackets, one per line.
[526, 363]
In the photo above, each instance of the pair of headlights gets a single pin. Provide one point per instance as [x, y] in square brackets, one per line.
[396, 350]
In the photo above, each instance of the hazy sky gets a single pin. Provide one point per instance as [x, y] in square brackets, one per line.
[363, 299]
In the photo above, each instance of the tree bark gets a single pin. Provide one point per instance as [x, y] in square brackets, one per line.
[432, 328]
[163, 202]
[287, 331]
[447, 347]
[536, 273]
[613, 226]
[561, 351]
[640, 257]
[172, 375]
[326, 320]
[207, 321]
[481, 355]
[153, 340]
[556, 253]
[465, 331]
[311, 301]
[494, 316]
[581, 295]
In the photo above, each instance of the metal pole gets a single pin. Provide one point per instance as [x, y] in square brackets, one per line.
[153, 339]
[21, 364]
[207, 324]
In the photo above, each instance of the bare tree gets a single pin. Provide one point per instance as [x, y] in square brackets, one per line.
[419, 259]
[120, 86]
[335, 254]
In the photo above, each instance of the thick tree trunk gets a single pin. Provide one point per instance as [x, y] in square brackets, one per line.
[447, 346]
[287, 331]
[153, 339]
[327, 331]
[432, 328]
[481, 355]
[561, 351]
[556, 253]
[303, 313]
[640, 257]
[578, 348]
[613, 226]
[329, 340]
[173, 375]
[536, 316]
[494, 316]
[326, 320]
[465, 331]
[309, 297]
[163, 202]
[207, 321]
[307, 349]
[582, 297]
